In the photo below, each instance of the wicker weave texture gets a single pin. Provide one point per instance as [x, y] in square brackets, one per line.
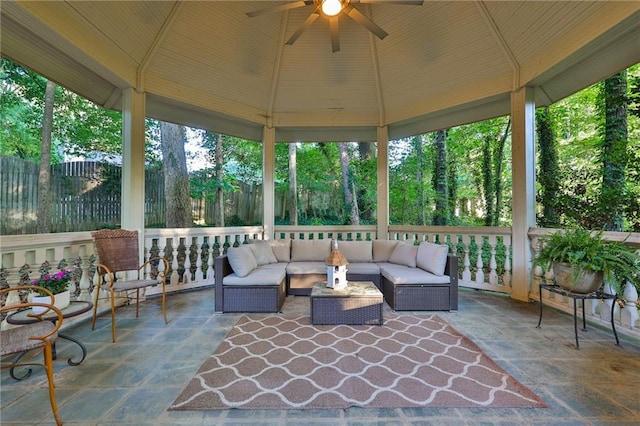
[418, 297]
[117, 249]
[351, 310]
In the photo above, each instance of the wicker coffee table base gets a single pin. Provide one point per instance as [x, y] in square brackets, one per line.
[360, 303]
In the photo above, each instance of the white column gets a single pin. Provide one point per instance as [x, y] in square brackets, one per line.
[383, 183]
[268, 180]
[133, 134]
[523, 192]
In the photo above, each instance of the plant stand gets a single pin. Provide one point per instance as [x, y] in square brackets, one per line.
[582, 297]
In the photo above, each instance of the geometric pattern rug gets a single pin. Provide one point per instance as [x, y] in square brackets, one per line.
[275, 362]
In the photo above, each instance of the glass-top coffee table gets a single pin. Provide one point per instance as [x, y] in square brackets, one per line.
[359, 303]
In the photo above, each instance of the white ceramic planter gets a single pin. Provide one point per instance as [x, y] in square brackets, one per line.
[62, 300]
[586, 283]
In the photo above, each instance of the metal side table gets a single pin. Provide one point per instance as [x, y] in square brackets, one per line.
[596, 295]
[75, 308]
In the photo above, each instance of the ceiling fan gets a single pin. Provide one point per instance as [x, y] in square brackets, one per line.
[332, 10]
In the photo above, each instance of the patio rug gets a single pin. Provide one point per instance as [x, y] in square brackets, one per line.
[411, 361]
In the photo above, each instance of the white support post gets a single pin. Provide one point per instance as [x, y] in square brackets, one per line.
[268, 180]
[523, 192]
[383, 183]
[133, 134]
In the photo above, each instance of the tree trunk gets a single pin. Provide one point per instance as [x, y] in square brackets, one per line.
[366, 208]
[487, 182]
[614, 151]
[293, 185]
[498, 175]
[420, 201]
[176, 178]
[440, 216]
[349, 202]
[548, 175]
[43, 223]
[219, 170]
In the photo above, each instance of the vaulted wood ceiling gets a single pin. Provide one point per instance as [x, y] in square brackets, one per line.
[207, 64]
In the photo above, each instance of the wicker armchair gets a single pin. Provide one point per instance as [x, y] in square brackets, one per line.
[42, 333]
[117, 251]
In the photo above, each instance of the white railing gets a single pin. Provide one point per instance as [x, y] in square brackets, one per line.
[484, 255]
[626, 318]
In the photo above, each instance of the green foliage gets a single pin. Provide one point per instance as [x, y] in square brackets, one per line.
[589, 252]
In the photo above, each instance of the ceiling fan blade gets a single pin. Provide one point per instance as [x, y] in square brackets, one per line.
[307, 23]
[335, 34]
[407, 2]
[280, 8]
[357, 16]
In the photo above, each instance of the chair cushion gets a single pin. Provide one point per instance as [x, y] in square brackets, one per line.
[382, 250]
[242, 260]
[363, 268]
[125, 285]
[404, 254]
[432, 257]
[267, 275]
[356, 251]
[404, 275]
[16, 339]
[303, 268]
[263, 252]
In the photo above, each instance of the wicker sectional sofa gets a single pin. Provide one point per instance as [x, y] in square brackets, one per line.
[256, 277]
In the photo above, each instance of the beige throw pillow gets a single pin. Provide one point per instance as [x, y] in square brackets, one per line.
[242, 260]
[263, 253]
[281, 249]
[404, 254]
[432, 257]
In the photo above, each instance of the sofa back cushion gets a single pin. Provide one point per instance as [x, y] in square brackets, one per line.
[404, 254]
[263, 253]
[310, 250]
[382, 250]
[356, 251]
[242, 260]
[281, 249]
[432, 257]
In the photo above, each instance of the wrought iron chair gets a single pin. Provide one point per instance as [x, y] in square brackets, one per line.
[41, 333]
[118, 252]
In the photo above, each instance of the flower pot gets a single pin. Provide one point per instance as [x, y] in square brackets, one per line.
[62, 300]
[587, 282]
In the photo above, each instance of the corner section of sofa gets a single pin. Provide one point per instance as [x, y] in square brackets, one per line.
[245, 294]
[438, 293]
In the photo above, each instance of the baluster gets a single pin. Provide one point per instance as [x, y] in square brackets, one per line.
[186, 276]
[85, 282]
[147, 254]
[506, 277]
[629, 313]
[199, 273]
[466, 271]
[479, 263]
[493, 273]
[175, 245]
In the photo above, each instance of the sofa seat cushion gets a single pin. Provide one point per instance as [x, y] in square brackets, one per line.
[302, 268]
[266, 275]
[363, 268]
[399, 274]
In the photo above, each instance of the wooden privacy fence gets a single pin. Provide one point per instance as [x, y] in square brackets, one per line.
[86, 196]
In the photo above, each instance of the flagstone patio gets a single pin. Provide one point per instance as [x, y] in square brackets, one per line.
[134, 380]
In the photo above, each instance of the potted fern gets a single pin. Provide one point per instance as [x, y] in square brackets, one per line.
[583, 261]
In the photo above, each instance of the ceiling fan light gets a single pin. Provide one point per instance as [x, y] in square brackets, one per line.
[331, 7]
